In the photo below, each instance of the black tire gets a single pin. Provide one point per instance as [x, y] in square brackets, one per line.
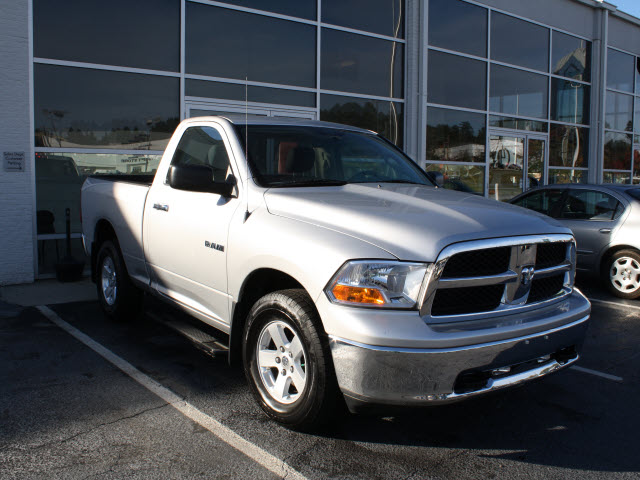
[621, 274]
[293, 312]
[125, 300]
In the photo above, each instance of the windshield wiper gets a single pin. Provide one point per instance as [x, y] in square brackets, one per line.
[318, 182]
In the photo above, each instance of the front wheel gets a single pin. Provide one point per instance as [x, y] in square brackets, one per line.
[287, 360]
[622, 276]
[119, 298]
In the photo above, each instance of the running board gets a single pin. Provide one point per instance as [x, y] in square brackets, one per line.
[201, 339]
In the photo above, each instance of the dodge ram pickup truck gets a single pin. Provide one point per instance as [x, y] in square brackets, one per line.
[337, 268]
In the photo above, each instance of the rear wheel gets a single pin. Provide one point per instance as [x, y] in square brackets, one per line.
[119, 298]
[287, 360]
[622, 276]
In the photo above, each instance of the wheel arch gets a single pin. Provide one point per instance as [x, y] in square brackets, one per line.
[258, 283]
[102, 232]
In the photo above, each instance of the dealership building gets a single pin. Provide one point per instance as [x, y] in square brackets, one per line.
[498, 95]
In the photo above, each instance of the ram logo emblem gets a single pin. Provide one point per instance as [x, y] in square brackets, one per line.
[527, 275]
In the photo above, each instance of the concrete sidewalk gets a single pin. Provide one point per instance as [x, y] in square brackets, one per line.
[48, 292]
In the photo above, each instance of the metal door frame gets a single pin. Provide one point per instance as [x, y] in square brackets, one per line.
[526, 135]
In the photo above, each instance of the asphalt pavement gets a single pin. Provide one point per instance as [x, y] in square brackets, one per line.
[67, 411]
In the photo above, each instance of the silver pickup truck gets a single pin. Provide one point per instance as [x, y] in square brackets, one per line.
[337, 267]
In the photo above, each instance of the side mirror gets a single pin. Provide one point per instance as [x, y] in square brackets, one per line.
[199, 178]
[436, 177]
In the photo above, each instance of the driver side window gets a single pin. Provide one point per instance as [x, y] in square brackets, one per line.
[203, 146]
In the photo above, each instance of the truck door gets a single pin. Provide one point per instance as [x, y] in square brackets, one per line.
[185, 232]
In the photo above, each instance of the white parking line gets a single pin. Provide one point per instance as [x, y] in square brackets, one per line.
[227, 435]
[614, 304]
[597, 373]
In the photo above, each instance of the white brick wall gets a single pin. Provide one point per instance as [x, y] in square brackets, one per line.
[16, 189]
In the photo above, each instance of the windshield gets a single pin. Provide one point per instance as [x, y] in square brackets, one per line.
[289, 156]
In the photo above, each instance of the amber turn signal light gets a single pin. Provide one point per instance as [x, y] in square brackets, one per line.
[369, 296]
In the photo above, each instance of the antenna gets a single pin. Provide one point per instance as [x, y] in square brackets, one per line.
[246, 142]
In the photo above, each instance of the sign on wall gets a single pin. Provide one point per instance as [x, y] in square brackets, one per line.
[14, 161]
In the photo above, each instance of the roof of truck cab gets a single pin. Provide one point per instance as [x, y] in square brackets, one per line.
[240, 119]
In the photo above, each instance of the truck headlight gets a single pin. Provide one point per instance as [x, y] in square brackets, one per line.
[382, 284]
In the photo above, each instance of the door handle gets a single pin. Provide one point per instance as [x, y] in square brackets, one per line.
[605, 230]
[164, 208]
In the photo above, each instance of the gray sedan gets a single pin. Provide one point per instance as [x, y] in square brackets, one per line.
[605, 220]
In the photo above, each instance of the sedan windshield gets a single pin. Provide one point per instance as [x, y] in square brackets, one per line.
[292, 156]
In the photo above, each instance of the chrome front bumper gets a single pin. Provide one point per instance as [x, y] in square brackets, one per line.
[410, 376]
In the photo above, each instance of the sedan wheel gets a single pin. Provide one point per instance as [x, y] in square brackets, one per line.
[624, 274]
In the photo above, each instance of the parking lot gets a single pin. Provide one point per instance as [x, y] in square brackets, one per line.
[83, 397]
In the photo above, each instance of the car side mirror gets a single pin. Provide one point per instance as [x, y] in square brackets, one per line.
[199, 178]
[436, 177]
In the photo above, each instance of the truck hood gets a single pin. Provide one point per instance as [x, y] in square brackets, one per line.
[412, 222]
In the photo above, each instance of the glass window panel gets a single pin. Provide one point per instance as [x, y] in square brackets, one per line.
[386, 118]
[80, 107]
[517, 92]
[463, 178]
[141, 34]
[569, 101]
[616, 177]
[231, 44]
[59, 177]
[571, 57]
[385, 17]
[617, 151]
[568, 146]
[458, 26]
[636, 165]
[542, 201]
[233, 91]
[359, 64]
[505, 170]
[589, 205]
[457, 81]
[518, 42]
[620, 70]
[292, 8]
[518, 124]
[638, 76]
[619, 112]
[52, 251]
[536, 154]
[636, 122]
[456, 136]
[557, 176]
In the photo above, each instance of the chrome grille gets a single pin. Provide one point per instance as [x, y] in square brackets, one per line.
[487, 277]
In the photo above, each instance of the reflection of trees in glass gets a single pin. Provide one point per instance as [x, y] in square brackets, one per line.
[455, 142]
[617, 151]
[367, 115]
[88, 134]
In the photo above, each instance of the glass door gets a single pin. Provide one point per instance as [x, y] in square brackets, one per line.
[517, 162]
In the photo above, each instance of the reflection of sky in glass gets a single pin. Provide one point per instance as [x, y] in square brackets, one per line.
[98, 103]
[230, 44]
[385, 17]
[457, 81]
[518, 42]
[458, 26]
[293, 8]
[619, 111]
[517, 92]
[140, 33]
[359, 64]
[620, 70]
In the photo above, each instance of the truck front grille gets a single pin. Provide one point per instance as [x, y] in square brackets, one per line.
[487, 276]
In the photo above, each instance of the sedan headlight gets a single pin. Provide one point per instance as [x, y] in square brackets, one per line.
[382, 284]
